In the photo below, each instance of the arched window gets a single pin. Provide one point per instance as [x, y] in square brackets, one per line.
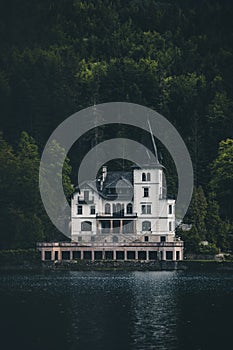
[148, 177]
[146, 226]
[118, 208]
[107, 208]
[86, 226]
[129, 208]
[143, 177]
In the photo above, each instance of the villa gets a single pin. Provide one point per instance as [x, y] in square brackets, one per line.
[121, 216]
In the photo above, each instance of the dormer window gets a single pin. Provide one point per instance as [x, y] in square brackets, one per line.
[86, 196]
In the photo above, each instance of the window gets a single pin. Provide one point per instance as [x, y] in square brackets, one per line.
[105, 226]
[129, 208]
[146, 239]
[107, 209]
[170, 226]
[148, 177]
[162, 239]
[128, 226]
[118, 209]
[146, 192]
[65, 255]
[80, 209]
[48, 255]
[76, 255]
[169, 255]
[92, 209]
[86, 226]
[143, 177]
[146, 209]
[86, 196]
[152, 255]
[170, 209]
[146, 226]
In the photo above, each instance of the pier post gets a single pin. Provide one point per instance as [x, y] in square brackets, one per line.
[114, 255]
[42, 255]
[125, 255]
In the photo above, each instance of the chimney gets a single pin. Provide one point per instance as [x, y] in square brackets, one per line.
[104, 173]
[103, 177]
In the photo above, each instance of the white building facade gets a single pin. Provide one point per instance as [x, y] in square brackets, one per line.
[126, 212]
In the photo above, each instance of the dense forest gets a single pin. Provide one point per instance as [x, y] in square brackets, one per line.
[58, 57]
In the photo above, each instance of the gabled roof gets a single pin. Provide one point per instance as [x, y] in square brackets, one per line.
[114, 177]
[91, 184]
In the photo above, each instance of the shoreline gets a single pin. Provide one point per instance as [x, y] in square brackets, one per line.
[110, 265]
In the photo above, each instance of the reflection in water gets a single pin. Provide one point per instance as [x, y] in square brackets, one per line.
[115, 310]
[128, 311]
[154, 306]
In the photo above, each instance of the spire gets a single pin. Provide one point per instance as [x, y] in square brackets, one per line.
[153, 141]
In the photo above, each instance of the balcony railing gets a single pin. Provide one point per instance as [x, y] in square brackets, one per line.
[109, 244]
[116, 215]
[82, 200]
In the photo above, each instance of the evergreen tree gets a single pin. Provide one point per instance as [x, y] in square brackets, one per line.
[222, 179]
[197, 213]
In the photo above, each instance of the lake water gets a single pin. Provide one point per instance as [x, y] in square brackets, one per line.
[116, 310]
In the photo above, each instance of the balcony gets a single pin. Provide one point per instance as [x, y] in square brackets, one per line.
[82, 200]
[69, 245]
[116, 215]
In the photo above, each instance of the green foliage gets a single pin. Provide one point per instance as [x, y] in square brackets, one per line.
[23, 219]
[222, 178]
[207, 224]
[209, 249]
[58, 57]
[17, 257]
[197, 212]
[191, 239]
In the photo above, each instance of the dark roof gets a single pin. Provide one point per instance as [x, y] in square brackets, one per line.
[116, 180]
[114, 176]
[148, 166]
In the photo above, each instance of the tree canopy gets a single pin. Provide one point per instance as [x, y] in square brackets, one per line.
[58, 57]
